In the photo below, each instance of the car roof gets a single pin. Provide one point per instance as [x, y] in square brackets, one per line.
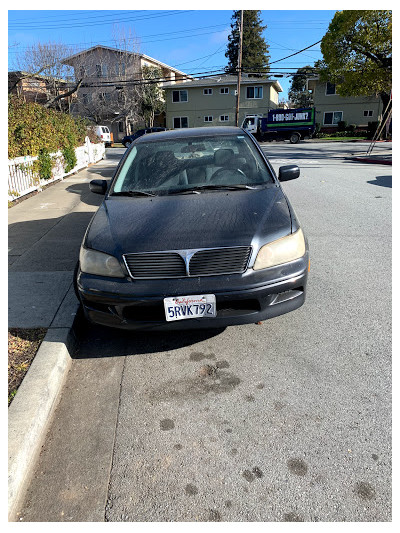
[192, 132]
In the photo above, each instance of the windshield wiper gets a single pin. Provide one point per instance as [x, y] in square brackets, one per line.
[132, 193]
[239, 186]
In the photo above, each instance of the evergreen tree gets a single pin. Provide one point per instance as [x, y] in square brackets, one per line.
[254, 48]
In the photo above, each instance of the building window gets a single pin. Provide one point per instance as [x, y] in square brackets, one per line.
[105, 98]
[180, 96]
[121, 126]
[208, 118]
[224, 90]
[207, 91]
[368, 113]
[181, 122]
[101, 71]
[87, 98]
[332, 118]
[254, 92]
[224, 118]
[330, 88]
[82, 72]
[120, 69]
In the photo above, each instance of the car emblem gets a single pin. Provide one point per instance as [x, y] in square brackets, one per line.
[187, 256]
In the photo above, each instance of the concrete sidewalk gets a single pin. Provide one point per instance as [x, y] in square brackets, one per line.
[45, 233]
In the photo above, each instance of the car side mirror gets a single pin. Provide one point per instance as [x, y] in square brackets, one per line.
[98, 186]
[289, 172]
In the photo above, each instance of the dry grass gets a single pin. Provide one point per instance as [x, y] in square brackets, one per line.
[23, 345]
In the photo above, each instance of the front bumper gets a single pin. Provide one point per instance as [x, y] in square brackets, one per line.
[240, 298]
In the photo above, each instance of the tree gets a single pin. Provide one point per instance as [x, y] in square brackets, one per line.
[45, 60]
[151, 95]
[357, 52]
[298, 93]
[255, 55]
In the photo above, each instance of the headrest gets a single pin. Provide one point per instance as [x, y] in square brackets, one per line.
[223, 157]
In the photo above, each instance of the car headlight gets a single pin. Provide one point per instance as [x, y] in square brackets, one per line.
[281, 251]
[99, 263]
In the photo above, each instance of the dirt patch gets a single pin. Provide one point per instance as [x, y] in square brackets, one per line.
[23, 345]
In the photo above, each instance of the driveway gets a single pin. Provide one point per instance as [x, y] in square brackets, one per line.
[289, 420]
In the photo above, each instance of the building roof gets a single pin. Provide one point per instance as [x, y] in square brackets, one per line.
[226, 79]
[28, 75]
[68, 61]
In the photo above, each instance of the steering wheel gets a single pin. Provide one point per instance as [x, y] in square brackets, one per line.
[231, 173]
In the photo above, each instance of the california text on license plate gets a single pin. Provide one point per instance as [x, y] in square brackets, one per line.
[197, 306]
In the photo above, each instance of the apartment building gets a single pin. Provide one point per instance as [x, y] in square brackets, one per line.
[212, 101]
[109, 76]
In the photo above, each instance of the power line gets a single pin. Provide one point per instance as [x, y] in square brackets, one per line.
[85, 24]
[299, 52]
[110, 13]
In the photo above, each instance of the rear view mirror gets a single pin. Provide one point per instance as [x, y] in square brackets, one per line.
[289, 172]
[98, 186]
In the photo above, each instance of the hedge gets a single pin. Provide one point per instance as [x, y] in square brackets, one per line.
[34, 129]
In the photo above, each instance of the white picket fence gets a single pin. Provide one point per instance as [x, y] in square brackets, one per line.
[22, 179]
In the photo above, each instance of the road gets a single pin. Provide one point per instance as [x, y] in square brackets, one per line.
[289, 420]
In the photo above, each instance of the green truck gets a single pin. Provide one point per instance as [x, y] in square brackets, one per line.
[282, 124]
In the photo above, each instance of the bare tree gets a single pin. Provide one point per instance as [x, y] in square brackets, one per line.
[44, 60]
[110, 89]
[115, 87]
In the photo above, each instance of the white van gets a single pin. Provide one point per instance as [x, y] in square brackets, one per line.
[104, 133]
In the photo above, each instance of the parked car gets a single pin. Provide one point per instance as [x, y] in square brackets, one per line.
[128, 140]
[194, 231]
[104, 133]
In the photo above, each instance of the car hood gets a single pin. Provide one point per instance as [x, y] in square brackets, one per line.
[179, 222]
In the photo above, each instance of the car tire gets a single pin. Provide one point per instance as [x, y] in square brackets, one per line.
[294, 138]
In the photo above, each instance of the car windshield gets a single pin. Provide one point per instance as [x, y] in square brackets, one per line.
[190, 163]
[249, 121]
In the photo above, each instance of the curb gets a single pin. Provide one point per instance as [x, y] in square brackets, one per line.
[30, 411]
[372, 160]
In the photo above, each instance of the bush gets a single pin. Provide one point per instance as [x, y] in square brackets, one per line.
[32, 128]
[351, 128]
[93, 137]
[341, 126]
[44, 164]
[69, 158]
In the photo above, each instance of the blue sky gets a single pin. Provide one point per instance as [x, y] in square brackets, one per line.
[192, 41]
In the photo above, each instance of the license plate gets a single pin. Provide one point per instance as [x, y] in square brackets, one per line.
[197, 306]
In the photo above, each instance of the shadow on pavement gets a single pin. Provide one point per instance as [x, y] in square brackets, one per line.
[99, 341]
[86, 195]
[382, 181]
[47, 245]
[115, 156]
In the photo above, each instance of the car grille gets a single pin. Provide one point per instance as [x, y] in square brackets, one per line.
[206, 262]
[155, 265]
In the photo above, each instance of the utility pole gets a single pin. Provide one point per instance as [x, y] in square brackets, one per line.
[239, 67]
